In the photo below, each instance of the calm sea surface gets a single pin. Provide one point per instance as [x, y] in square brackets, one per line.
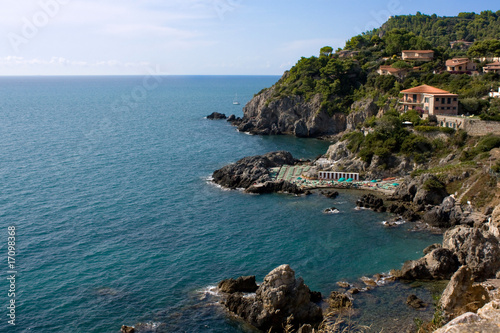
[105, 179]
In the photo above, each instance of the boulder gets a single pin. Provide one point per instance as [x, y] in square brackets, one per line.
[343, 284]
[330, 194]
[339, 300]
[216, 116]
[461, 295]
[243, 284]
[477, 248]
[372, 202]
[425, 189]
[127, 329]
[280, 296]
[439, 264]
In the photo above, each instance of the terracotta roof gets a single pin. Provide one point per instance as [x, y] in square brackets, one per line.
[457, 61]
[425, 89]
[390, 69]
[419, 51]
[493, 64]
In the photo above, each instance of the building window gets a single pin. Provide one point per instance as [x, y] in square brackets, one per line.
[427, 100]
[437, 99]
[442, 108]
[449, 100]
[414, 97]
[454, 108]
[454, 99]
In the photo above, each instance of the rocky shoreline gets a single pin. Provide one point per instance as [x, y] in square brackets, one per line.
[469, 254]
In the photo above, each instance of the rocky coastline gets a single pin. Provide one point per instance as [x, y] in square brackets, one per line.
[469, 254]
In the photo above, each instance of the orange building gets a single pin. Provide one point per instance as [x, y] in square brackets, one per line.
[429, 100]
[460, 65]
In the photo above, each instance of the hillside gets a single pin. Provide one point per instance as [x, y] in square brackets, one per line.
[330, 83]
[340, 96]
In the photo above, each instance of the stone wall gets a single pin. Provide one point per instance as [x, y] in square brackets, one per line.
[474, 127]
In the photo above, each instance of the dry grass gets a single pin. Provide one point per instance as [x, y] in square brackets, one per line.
[337, 323]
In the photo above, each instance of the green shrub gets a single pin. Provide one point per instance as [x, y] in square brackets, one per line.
[432, 184]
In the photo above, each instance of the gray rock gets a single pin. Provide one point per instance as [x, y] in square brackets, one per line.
[431, 248]
[280, 296]
[487, 320]
[216, 116]
[417, 190]
[437, 265]
[461, 295]
[242, 284]
[294, 115]
[477, 248]
[249, 170]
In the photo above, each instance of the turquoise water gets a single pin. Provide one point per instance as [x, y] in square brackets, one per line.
[117, 223]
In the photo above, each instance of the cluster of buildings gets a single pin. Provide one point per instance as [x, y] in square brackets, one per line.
[455, 65]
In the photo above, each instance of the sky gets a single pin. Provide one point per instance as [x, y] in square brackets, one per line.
[188, 37]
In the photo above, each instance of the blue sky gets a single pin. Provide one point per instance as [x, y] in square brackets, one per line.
[223, 37]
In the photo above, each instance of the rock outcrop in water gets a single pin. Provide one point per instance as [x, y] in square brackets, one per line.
[252, 174]
[216, 116]
[281, 298]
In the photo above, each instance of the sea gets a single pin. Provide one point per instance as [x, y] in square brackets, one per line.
[106, 182]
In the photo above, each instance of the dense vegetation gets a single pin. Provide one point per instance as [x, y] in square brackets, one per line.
[342, 80]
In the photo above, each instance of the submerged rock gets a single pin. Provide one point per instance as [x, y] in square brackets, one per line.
[415, 302]
[280, 296]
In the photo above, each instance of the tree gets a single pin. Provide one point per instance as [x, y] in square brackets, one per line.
[326, 51]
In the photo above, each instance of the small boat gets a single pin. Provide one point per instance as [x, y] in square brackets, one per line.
[235, 100]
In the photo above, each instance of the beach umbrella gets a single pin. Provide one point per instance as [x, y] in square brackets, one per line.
[349, 180]
[395, 184]
[374, 181]
[342, 179]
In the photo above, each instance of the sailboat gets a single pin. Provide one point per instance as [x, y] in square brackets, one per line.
[235, 100]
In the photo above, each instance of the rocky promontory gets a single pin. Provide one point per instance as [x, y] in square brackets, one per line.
[252, 174]
[298, 116]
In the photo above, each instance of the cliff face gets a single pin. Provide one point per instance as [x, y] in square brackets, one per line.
[293, 115]
[290, 115]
